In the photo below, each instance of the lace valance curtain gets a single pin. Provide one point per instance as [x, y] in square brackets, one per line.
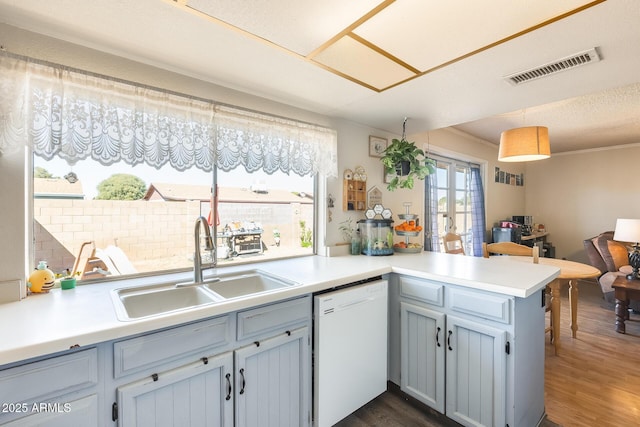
[75, 116]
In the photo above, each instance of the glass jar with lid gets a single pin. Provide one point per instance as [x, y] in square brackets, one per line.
[377, 236]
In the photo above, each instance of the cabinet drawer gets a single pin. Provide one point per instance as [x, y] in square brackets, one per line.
[151, 350]
[487, 306]
[422, 290]
[58, 375]
[274, 317]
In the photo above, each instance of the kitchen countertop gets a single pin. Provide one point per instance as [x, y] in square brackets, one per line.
[48, 323]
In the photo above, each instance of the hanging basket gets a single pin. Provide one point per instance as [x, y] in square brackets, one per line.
[403, 168]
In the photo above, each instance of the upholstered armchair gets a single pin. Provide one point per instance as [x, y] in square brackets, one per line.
[612, 259]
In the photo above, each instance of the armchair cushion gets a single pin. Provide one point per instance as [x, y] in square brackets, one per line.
[619, 254]
[612, 259]
[609, 254]
[592, 247]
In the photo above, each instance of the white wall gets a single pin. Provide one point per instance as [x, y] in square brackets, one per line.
[12, 213]
[579, 195]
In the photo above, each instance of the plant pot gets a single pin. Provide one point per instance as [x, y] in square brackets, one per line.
[403, 168]
[68, 283]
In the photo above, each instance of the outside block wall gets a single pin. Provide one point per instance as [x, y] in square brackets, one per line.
[154, 235]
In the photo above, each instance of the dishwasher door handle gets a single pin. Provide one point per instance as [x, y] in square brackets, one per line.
[351, 304]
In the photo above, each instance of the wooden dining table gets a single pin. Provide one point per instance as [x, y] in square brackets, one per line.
[571, 271]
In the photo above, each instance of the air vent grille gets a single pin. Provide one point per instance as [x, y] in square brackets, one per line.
[563, 64]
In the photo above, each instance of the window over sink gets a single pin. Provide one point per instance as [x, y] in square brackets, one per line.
[121, 171]
[102, 230]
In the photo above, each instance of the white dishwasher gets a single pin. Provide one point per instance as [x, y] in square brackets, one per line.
[350, 350]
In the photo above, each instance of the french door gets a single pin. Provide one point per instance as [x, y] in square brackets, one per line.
[453, 182]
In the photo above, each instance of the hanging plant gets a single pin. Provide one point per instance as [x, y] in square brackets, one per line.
[406, 162]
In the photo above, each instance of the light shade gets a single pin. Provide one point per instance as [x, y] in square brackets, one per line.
[524, 144]
[627, 230]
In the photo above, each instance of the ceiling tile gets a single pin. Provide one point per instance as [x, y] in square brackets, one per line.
[352, 58]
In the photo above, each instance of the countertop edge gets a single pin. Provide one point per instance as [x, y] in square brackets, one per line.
[318, 274]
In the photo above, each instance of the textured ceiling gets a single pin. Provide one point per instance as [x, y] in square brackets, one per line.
[585, 121]
[382, 44]
[440, 63]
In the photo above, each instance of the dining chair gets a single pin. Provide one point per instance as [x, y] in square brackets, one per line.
[514, 249]
[510, 248]
[453, 243]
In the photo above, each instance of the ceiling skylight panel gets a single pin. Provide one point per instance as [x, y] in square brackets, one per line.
[362, 63]
[427, 34]
[300, 26]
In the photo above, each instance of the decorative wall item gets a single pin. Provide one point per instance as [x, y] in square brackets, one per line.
[354, 190]
[377, 146]
[330, 205]
[503, 177]
[374, 197]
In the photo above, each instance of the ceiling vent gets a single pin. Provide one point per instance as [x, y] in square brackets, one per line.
[573, 61]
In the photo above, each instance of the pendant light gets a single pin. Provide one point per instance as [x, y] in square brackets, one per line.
[524, 144]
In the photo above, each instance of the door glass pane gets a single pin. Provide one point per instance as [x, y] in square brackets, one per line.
[443, 211]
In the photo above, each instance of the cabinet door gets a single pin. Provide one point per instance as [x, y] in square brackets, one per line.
[197, 394]
[422, 342]
[476, 373]
[272, 381]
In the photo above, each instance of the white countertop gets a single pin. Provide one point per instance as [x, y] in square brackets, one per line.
[48, 323]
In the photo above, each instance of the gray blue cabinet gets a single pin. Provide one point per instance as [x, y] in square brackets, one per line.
[273, 365]
[423, 354]
[457, 352]
[197, 394]
[250, 368]
[56, 391]
[476, 373]
[272, 381]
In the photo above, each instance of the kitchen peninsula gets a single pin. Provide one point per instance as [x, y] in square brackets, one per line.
[479, 299]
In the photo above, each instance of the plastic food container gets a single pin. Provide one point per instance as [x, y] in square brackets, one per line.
[377, 236]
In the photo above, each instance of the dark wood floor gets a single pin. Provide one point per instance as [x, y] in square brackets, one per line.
[392, 410]
[593, 382]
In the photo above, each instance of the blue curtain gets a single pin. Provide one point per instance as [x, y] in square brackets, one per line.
[477, 211]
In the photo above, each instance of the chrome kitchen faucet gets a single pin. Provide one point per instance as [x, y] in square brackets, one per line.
[197, 258]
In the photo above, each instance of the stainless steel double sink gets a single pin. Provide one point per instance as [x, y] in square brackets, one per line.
[138, 302]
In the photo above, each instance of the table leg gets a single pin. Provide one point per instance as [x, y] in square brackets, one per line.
[621, 314]
[555, 313]
[573, 305]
